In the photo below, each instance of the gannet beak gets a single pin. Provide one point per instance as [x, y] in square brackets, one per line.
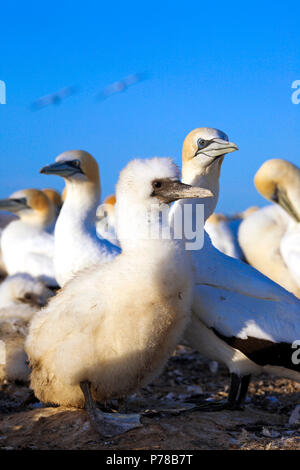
[65, 169]
[13, 204]
[217, 148]
[281, 198]
[171, 191]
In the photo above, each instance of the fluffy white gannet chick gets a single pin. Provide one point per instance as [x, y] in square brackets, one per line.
[26, 246]
[239, 317]
[269, 236]
[106, 220]
[91, 344]
[21, 296]
[76, 243]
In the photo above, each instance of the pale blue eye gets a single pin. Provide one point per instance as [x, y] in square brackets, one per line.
[201, 143]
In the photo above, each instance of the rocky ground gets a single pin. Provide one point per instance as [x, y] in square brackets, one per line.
[264, 424]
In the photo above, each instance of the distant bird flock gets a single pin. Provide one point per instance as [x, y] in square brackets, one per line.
[59, 96]
[94, 298]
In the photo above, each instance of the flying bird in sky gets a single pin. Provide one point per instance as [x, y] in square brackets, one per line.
[53, 98]
[122, 85]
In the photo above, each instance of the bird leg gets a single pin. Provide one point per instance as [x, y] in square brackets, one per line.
[245, 381]
[236, 397]
[107, 424]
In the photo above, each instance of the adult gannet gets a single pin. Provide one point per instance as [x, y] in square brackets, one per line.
[76, 243]
[266, 236]
[106, 220]
[91, 343]
[239, 317]
[21, 296]
[26, 246]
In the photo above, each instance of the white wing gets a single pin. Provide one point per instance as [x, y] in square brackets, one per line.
[224, 239]
[239, 301]
[40, 253]
[290, 251]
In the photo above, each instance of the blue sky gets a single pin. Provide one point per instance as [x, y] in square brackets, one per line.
[222, 64]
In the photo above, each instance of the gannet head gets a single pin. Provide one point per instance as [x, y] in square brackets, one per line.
[31, 205]
[76, 166]
[23, 288]
[154, 181]
[54, 197]
[279, 181]
[204, 148]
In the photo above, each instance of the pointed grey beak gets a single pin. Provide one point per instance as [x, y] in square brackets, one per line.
[217, 148]
[224, 146]
[65, 169]
[171, 191]
[13, 204]
[281, 198]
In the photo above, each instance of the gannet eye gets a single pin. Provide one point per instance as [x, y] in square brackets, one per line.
[157, 184]
[201, 143]
[27, 296]
[76, 163]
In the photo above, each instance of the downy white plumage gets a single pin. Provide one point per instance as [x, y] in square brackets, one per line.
[26, 245]
[21, 296]
[110, 330]
[239, 317]
[76, 243]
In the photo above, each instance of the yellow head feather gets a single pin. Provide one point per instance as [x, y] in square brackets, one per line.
[275, 173]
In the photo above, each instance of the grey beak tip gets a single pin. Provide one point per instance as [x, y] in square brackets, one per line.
[43, 170]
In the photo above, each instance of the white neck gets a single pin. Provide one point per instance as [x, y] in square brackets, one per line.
[79, 208]
[36, 219]
[207, 178]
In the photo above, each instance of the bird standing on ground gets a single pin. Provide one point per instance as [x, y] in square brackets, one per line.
[26, 245]
[269, 236]
[77, 245]
[239, 317]
[110, 330]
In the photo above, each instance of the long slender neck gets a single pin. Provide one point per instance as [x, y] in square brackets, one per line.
[79, 208]
[207, 178]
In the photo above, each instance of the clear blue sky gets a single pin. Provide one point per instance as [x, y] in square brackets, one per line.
[228, 65]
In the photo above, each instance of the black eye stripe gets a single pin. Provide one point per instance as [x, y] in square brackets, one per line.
[202, 143]
[73, 163]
